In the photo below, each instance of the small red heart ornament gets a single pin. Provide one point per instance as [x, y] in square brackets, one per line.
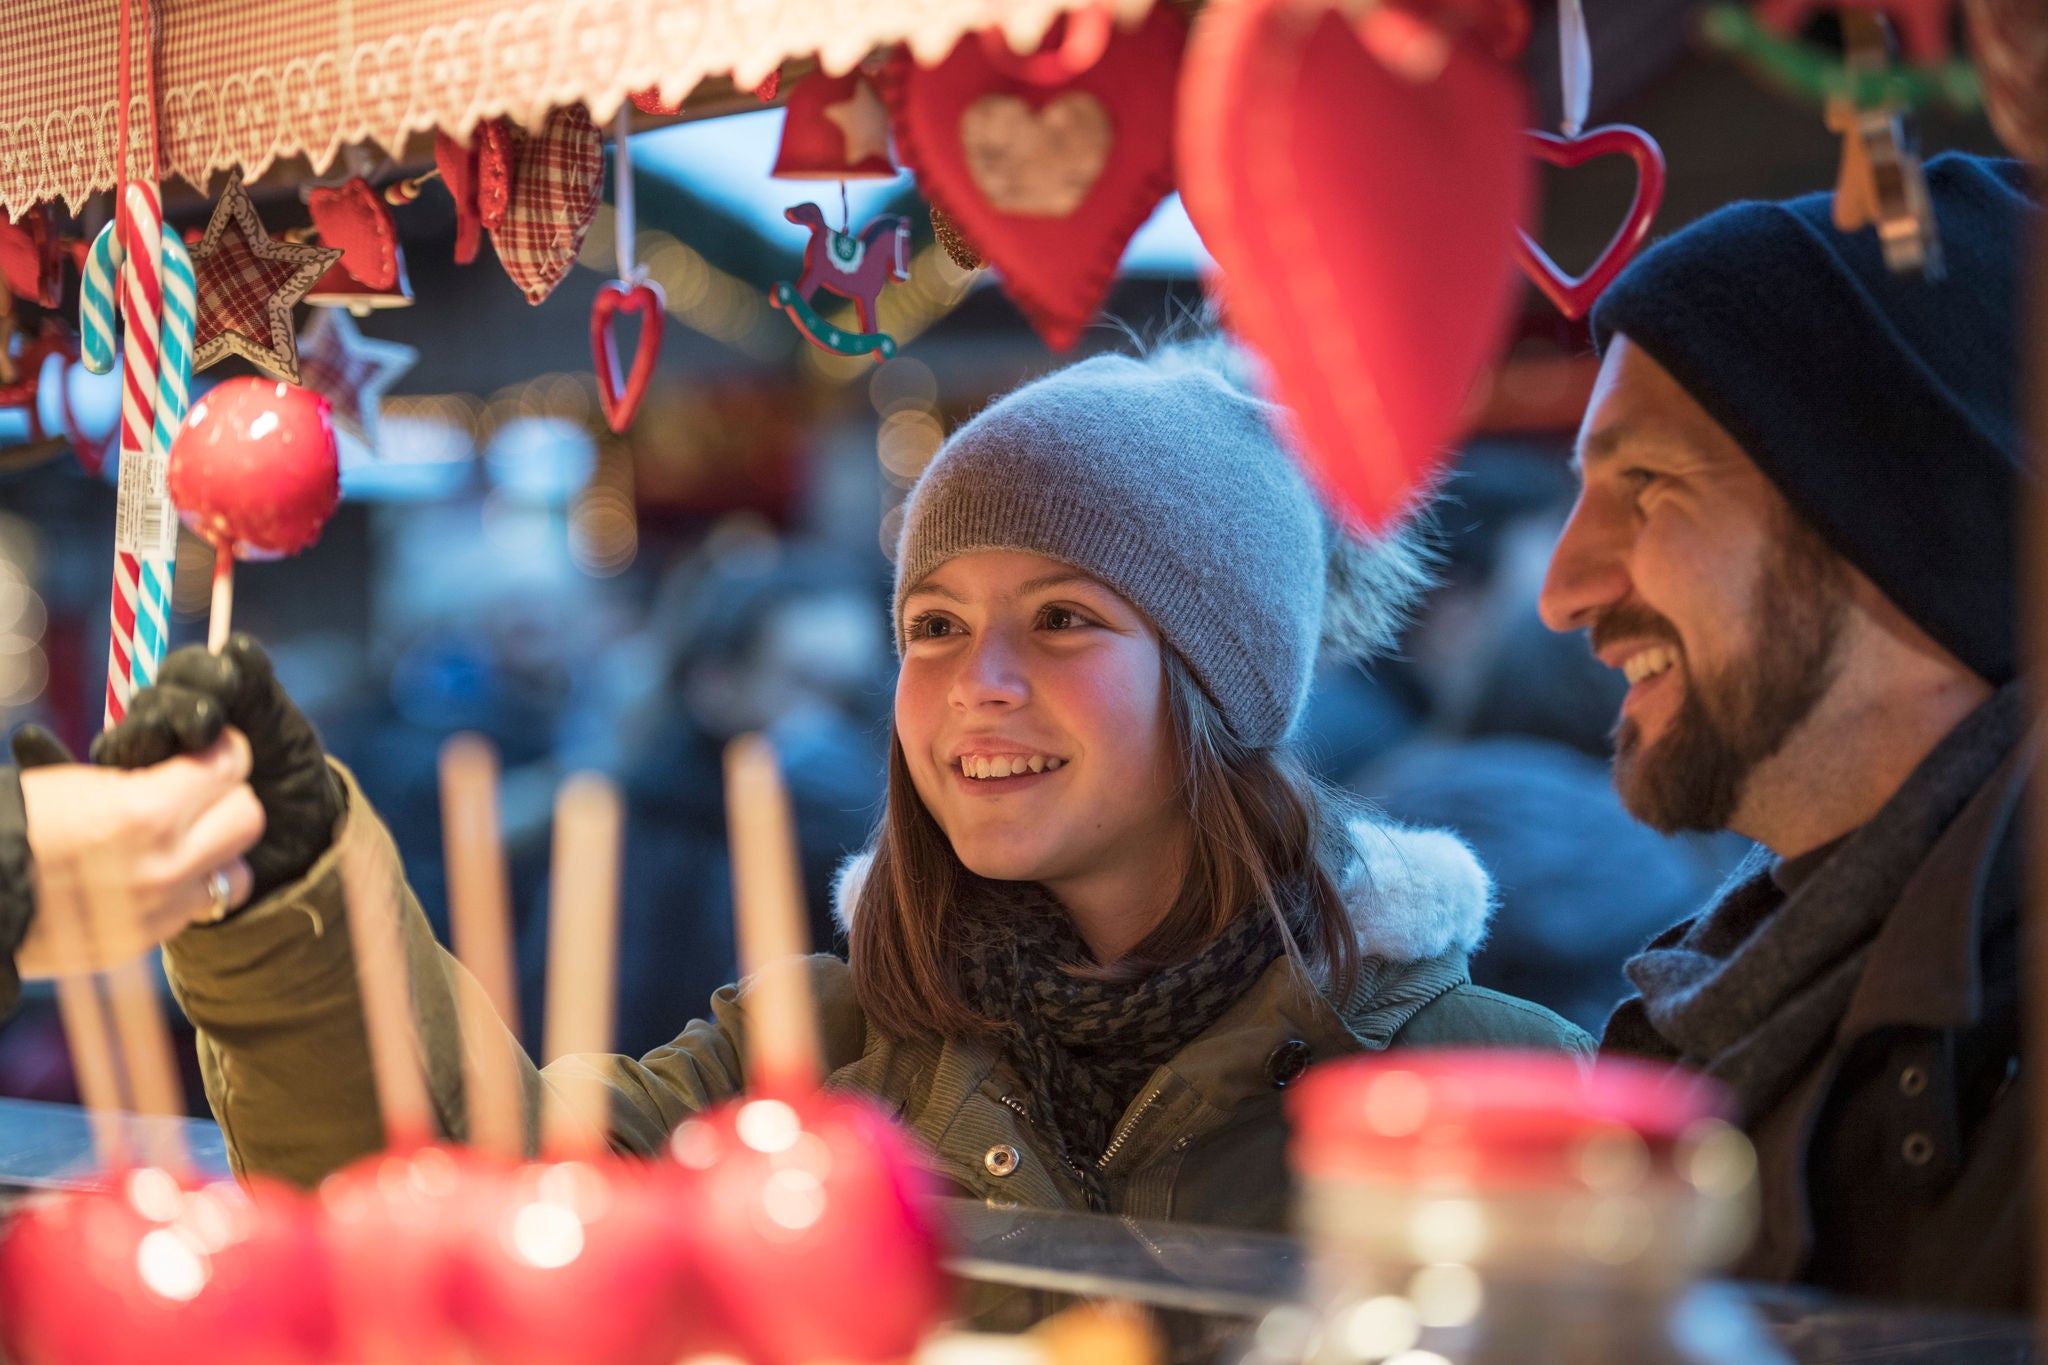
[1048, 181]
[620, 404]
[1363, 216]
[1574, 294]
[353, 217]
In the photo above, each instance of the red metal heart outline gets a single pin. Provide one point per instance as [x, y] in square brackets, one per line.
[1080, 47]
[614, 297]
[1574, 294]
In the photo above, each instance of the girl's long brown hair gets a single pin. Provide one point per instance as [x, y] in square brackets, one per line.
[1267, 837]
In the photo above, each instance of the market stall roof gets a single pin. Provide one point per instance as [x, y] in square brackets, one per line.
[244, 85]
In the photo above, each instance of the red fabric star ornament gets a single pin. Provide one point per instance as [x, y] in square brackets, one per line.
[351, 371]
[247, 283]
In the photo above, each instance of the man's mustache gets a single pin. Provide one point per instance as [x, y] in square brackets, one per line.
[1630, 621]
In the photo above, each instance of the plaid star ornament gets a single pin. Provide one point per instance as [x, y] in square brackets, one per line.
[247, 283]
[351, 371]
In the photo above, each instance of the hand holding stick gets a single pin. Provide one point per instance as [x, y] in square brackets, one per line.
[768, 908]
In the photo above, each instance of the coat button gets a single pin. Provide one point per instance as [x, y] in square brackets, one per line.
[1918, 1149]
[1286, 1062]
[1913, 1082]
[1001, 1159]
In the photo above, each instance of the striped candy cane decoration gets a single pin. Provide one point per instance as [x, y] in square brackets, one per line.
[97, 302]
[173, 397]
[145, 532]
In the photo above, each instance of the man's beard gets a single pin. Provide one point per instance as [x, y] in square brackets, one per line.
[1692, 777]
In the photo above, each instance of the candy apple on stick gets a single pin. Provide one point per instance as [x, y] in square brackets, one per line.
[154, 1261]
[394, 1220]
[797, 1185]
[582, 1228]
[254, 472]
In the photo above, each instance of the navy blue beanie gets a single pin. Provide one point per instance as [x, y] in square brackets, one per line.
[1884, 407]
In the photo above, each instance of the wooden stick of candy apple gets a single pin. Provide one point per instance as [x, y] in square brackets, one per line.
[583, 932]
[387, 997]
[152, 1068]
[480, 917]
[782, 1031]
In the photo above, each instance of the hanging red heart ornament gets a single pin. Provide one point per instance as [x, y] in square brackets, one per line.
[620, 404]
[1374, 277]
[1574, 294]
[1048, 181]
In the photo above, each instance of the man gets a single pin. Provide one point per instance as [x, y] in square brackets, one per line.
[1795, 536]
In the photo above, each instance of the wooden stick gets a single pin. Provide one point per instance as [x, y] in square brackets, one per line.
[385, 980]
[221, 619]
[145, 1048]
[480, 916]
[583, 932]
[82, 1010]
[87, 1020]
[773, 933]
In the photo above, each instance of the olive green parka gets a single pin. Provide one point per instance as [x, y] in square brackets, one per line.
[272, 992]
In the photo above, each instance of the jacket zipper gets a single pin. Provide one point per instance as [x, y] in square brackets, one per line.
[1123, 1133]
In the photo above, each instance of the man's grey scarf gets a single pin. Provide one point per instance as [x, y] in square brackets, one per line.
[1084, 1046]
[1753, 990]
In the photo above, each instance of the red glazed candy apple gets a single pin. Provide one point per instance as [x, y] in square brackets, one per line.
[397, 1225]
[156, 1268]
[821, 1241]
[254, 468]
[581, 1263]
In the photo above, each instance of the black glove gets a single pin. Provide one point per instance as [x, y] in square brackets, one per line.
[35, 747]
[196, 695]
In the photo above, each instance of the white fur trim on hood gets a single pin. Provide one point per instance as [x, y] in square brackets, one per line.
[1413, 894]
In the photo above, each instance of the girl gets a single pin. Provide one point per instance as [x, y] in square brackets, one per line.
[1106, 917]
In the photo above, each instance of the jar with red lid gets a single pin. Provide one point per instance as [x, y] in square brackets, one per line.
[1482, 1207]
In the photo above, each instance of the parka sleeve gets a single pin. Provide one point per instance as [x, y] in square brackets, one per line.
[272, 992]
[17, 884]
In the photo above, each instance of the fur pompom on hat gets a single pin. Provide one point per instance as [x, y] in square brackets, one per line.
[1163, 477]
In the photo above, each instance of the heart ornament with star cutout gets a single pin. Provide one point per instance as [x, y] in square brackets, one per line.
[1048, 180]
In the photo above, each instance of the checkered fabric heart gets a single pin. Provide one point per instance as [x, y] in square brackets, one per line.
[555, 186]
[247, 282]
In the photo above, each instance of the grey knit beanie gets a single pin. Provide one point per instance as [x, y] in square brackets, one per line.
[1162, 478]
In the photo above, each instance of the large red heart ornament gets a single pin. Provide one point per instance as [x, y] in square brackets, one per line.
[621, 403]
[1574, 294]
[1363, 216]
[1048, 181]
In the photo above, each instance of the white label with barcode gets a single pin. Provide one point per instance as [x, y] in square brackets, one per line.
[145, 523]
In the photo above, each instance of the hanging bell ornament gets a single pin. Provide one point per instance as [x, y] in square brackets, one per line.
[835, 128]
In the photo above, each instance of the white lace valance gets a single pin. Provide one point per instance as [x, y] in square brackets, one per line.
[245, 82]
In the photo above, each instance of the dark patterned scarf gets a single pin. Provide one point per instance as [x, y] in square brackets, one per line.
[1086, 1047]
[1753, 989]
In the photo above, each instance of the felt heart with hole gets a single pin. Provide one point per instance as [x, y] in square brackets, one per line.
[1574, 294]
[615, 297]
[1363, 213]
[1048, 181]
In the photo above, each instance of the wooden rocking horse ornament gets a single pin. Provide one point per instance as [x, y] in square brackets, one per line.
[853, 267]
